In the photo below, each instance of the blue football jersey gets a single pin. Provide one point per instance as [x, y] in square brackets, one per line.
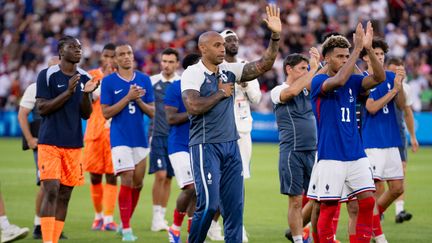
[127, 126]
[338, 136]
[178, 138]
[62, 127]
[381, 130]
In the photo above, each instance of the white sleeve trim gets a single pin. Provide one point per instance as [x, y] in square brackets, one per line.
[275, 93]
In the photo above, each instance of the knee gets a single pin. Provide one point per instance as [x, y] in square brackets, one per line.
[160, 177]
[189, 191]
[111, 179]
[397, 190]
[352, 209]
[295, 203]
[95, 179]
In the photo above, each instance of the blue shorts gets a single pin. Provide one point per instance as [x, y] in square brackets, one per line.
[159, 160]
[295, 168]
[35, 156]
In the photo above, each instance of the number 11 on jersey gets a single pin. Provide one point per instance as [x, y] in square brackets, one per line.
[345, 110]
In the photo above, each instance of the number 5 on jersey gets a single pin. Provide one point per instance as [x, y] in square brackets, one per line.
[347, 117]
[131, 107]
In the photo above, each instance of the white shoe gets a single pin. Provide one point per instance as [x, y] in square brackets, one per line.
[215, 232]
[13, 232]
[244, 235]
[158, 225]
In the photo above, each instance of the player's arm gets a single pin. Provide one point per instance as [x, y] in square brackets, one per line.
[345, 72]
[378, 69]
[173, 117]
[252, 91]
[147, 108]
[196, 104]
[86, 101]
[373, 106]
[400, 98]
[254, 69]
[48, 106]
[110, 111]
[409, 120]
[23, 113]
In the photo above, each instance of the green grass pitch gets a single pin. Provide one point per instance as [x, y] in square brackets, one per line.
[265, 208]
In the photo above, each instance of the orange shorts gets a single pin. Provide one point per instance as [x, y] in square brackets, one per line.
[61, 164]
[97, 156]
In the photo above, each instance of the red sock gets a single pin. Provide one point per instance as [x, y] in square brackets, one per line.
[377, 229]
[135, 198]
[178, 217]
[353, 238]
[336, 218]
[315, 237]
[189, 224]
[125, 205]
[365, 219]
[305, 200]
[325, 228]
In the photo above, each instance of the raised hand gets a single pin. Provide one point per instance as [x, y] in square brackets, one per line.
[134, 93]
[73, 82]
[358, 37]
[367, 41]
[314, 58]
[226, 88]
[273, 18]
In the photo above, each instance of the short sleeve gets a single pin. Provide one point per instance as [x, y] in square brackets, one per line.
[28, 99]
[192, 78]
[317, 82]
[149, 95]
[236, 68]
[275, 93]
[171, 96]
[357, 83]
[42, 89]
[106, 96]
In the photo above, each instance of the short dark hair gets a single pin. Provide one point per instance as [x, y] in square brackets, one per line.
[377, 42]
[395, 61]
[171, 51]
[109, 46]
[330, 34]
[292, 60]
[65, 39]
[190, 59]
[334, 41]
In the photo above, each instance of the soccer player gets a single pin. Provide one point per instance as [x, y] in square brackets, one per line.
[207, 89]
[380, 134]
[30, 132]
[297, 133]
[179, 153]
[126, 96]
[245, 94]
[160, 163]
[63, 95]
[97, 152]
[342, 165]
[404, 114]
[9, 232]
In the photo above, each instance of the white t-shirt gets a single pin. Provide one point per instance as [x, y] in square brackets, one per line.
[28, 99]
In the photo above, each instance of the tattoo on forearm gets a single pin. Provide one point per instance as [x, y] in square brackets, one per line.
[254, 69]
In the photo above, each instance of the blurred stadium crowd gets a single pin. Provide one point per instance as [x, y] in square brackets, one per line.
[30, 30]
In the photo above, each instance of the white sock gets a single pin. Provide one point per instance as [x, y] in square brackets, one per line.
[163, 212]
[298, 238]
[108, 219]
[399, 206]
[4, 222]
[176, 227]
[36, 220]
[98, 216]
[127, 230]
[380, 239]
[156, 210]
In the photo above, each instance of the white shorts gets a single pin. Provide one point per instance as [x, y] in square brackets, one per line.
[125, 158]
[245, 146]
[181, 164]
[333, 180]
[386, 163]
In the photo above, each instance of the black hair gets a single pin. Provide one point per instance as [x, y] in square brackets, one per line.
[62, 42]
[334, 41]
[376, 43]
[109, 46]
[395, 61]
[190, 59]
[294, 59]
[171, 51]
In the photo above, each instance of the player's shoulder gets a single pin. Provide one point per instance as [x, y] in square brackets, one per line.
[390, 75]
[141, 76]
[50, 71]
[155, 78]
[84, 73]
[320, 77]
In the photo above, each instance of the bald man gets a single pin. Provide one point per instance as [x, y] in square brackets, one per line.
[207, 91]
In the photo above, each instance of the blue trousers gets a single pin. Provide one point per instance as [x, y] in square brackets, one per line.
[218, 174]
